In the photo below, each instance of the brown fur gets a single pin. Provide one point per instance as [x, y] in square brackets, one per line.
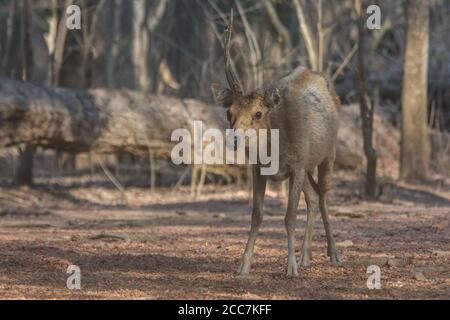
[303, 106]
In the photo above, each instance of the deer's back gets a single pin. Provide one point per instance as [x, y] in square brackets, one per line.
[307, 118]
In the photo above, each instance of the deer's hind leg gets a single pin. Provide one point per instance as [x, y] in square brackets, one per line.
[311, 209]
[259, 188]
[324, 182]
[295, 187]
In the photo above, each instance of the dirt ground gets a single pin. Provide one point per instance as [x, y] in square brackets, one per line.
[165, 245]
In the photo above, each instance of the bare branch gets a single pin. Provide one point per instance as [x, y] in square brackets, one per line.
[306, 34]
[255, 52]
[154, 19]
[276, 23]
[345, 62]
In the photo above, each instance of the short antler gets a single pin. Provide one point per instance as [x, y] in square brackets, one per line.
[232, 77]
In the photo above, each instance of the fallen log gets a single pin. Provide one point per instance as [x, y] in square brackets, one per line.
[99, 120]
[106, 121]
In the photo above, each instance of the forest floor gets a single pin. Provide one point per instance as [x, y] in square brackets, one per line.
[165, 245]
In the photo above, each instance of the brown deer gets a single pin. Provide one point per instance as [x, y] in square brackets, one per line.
[304, 107]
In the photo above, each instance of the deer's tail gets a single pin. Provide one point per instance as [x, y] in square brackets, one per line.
[332, 91]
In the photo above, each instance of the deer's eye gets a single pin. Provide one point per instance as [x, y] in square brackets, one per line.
[229, 116]
[258, 115]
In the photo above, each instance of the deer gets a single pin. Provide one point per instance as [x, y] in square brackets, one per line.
[303, 106]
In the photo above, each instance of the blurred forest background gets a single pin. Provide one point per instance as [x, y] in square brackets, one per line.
[174, 48]
[85, 172]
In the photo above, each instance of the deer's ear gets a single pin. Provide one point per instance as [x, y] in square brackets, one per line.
[221, 94]
[272, 97]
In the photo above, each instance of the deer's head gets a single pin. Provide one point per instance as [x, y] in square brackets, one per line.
[244, 111]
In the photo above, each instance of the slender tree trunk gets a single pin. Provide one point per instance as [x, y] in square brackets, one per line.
[50, 40]
[59, 45]
[9, 36]
[307, 35]
[146, 19]
[114, 33]
[24, 40]
[140, 47]
[36, 43]
[24, 173]
[89, 31]
[366, 108]
[414, 156]
[277, 24]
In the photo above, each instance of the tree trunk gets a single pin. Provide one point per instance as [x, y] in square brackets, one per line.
[141, 47]
[9, 37]
[114, 31]
[40, 57]
[366, 109]
[306, 33]
[414, 157]
[24, 173]
[59, 46]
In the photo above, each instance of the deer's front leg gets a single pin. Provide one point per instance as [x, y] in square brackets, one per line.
[259, 188]
[295, 186]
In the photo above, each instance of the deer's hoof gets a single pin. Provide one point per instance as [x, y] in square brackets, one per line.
[305, 260]
[292, 268]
